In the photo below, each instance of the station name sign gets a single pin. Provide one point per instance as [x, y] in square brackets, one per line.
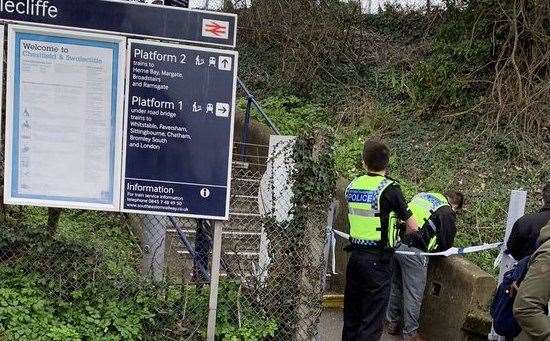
[29, 8]
[128, 18]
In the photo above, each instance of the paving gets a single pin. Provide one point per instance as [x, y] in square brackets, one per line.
[331, 326]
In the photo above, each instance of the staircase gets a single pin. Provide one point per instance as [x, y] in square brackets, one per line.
[241, 233]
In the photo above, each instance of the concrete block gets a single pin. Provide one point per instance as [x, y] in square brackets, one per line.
[455, 290]
[477, 325]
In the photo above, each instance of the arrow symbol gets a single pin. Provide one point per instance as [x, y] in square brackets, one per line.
[225, 63]
[222, 110]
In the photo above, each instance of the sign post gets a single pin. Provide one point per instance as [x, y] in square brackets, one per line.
[76, 138]
[516, 209]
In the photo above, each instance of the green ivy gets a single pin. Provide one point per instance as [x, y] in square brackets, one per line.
[27, 313]
[314, 175]
[313, 179]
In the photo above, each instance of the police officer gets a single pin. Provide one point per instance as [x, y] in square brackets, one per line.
[435, 213]
[371, 199]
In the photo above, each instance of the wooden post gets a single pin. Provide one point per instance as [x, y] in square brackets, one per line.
[53, 219]
[153, 245]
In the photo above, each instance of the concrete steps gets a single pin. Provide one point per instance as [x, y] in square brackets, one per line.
[332, 322]
[241, 234]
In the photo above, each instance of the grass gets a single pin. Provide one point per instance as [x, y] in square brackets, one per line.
[103, 231]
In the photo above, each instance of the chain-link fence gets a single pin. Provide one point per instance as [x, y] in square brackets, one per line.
[105, 276]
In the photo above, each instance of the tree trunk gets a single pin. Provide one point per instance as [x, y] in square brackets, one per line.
[53, 219]
[153, 244]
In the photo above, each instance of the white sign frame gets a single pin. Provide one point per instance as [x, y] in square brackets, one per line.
[232, 53]
[114, 205]
[2, 41]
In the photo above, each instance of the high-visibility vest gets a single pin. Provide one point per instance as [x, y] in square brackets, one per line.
[422, 206]
[363, 197]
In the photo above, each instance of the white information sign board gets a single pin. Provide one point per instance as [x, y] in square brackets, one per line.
[64, 118]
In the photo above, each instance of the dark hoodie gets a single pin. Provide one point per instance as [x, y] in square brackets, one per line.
[523, 239]
[531, 303]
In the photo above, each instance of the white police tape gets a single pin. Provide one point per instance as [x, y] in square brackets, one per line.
[450, 252]
[330, 248]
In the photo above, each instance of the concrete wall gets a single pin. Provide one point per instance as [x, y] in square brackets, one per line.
[337, 282]
[456, 300]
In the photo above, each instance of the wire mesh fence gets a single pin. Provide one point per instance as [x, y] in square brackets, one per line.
[110, 276]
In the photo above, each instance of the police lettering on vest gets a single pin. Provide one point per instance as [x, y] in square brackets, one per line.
[355, 195]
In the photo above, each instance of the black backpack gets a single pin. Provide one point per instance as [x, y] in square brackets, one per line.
[502, 308]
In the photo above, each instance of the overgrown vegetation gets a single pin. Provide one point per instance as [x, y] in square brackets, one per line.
[475, 59]
[460, 94]
[83, 283]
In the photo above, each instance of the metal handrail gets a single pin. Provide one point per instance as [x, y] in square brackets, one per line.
[251, 100]
[183, 239]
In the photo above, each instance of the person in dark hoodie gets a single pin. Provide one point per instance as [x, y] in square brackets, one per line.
[531, 303]
[525, 232]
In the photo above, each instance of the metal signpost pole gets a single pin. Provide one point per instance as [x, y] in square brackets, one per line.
[516, 209]
[214, 281]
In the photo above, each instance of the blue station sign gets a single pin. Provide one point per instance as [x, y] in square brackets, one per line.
[180, 104]
[128, 18]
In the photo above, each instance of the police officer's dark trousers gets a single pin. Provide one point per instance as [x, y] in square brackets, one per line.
[368, 283]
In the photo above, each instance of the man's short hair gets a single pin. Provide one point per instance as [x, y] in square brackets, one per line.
[376, 156]
[546, 194]
[455, 198]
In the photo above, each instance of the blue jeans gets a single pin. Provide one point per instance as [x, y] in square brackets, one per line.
[408, 284]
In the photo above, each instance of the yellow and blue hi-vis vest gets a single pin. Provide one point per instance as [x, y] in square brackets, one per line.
[422, 206]
[363, 196]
